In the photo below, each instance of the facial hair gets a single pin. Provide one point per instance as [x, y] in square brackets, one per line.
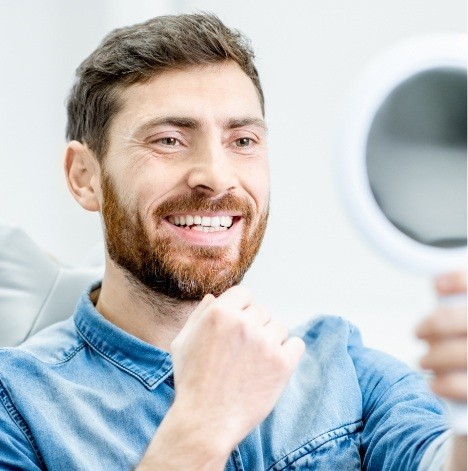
[152, 260]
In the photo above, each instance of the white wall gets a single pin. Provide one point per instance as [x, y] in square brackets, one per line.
[308, 55]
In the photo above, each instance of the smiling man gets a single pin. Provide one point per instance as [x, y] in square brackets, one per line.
[169, 364]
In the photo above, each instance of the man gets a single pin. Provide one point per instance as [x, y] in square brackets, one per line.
[167, 141]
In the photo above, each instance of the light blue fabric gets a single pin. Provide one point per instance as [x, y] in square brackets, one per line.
[85, 395]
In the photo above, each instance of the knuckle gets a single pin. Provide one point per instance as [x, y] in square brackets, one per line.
[453, 385]
[216, 316]
[244, 328]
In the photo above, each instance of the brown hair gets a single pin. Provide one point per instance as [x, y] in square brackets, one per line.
[135, 54]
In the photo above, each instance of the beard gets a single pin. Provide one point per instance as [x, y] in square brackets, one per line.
[162, 264]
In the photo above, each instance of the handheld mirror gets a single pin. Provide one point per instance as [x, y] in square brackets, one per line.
[403, 158]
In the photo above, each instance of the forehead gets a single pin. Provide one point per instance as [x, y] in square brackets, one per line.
[221, 90]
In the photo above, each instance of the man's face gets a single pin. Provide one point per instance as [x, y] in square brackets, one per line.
[185, 182]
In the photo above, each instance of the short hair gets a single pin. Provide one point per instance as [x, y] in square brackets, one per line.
[135, 54]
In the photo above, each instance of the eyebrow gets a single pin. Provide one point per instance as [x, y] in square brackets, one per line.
[234, 123]
[191, 123]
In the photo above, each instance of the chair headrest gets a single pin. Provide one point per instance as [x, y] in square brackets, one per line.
[35, 289]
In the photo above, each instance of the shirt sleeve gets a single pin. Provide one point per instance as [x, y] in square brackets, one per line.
[401, 416]
[16, 445]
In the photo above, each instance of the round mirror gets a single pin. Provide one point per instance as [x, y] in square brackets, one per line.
[402, 159]
[416, 157]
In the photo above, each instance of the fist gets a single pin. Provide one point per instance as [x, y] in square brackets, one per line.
[445, 332]
[231, 363]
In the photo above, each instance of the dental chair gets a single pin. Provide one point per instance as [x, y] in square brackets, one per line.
[36, 290]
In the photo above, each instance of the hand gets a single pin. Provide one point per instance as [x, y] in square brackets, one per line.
[231, 363]
[445, 332]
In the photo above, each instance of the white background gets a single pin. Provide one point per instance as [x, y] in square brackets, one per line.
[309, 53]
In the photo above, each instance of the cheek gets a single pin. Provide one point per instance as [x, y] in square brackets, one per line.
[257, 184]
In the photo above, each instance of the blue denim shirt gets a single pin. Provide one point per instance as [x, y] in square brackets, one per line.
[85, 395]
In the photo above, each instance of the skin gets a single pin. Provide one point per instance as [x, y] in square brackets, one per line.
[231, 360]
[445, 332]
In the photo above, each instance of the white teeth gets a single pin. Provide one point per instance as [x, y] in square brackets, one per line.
[216, 222]
[226, 221]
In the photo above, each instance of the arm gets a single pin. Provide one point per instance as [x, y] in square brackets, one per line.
[231, 363]
[17, 447]
[445, 332]
[182, 444]
[401, 416]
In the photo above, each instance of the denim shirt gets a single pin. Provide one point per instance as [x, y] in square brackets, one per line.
[85, 395]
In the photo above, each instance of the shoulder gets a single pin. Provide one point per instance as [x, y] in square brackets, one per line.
[329, 330]
[334, 338]
[53, 345]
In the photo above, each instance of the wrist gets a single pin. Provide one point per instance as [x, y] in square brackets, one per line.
[185, 441]
[202, 427]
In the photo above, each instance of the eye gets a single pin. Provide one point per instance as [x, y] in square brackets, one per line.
[243, 142]
[168, 141]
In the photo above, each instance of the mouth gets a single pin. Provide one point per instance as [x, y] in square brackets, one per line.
[205, 229]
[203, 223]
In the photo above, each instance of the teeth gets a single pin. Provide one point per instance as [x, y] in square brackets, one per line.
[216, 222]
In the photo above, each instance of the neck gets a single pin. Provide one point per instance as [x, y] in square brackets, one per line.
[153, 318]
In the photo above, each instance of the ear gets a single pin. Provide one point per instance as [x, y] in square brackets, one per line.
[82, 172]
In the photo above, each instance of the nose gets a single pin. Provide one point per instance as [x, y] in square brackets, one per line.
[212, 173]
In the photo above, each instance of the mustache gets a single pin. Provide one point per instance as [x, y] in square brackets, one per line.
[191, 203]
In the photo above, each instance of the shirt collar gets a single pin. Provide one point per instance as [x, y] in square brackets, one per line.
[144, 361]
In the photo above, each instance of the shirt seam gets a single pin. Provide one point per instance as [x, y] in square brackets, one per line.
[356, 422]
[119, 365]
[19, 421]
[237, 459]
[49, 363]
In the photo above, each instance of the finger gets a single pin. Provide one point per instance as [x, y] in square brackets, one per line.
[257, 314]
[451, 283]
[443, 323]
[237, 297]
[293, 349]
[445, 356]
[276, 332]
[450, 385]
[205, 302]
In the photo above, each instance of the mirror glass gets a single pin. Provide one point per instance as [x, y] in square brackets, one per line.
[416, 157]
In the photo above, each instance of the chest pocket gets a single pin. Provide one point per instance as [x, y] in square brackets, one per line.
[337, 450]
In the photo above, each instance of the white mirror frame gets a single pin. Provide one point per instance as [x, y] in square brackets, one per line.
[395, 66]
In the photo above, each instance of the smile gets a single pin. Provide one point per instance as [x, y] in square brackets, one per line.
[206, 229]
[202, 223]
